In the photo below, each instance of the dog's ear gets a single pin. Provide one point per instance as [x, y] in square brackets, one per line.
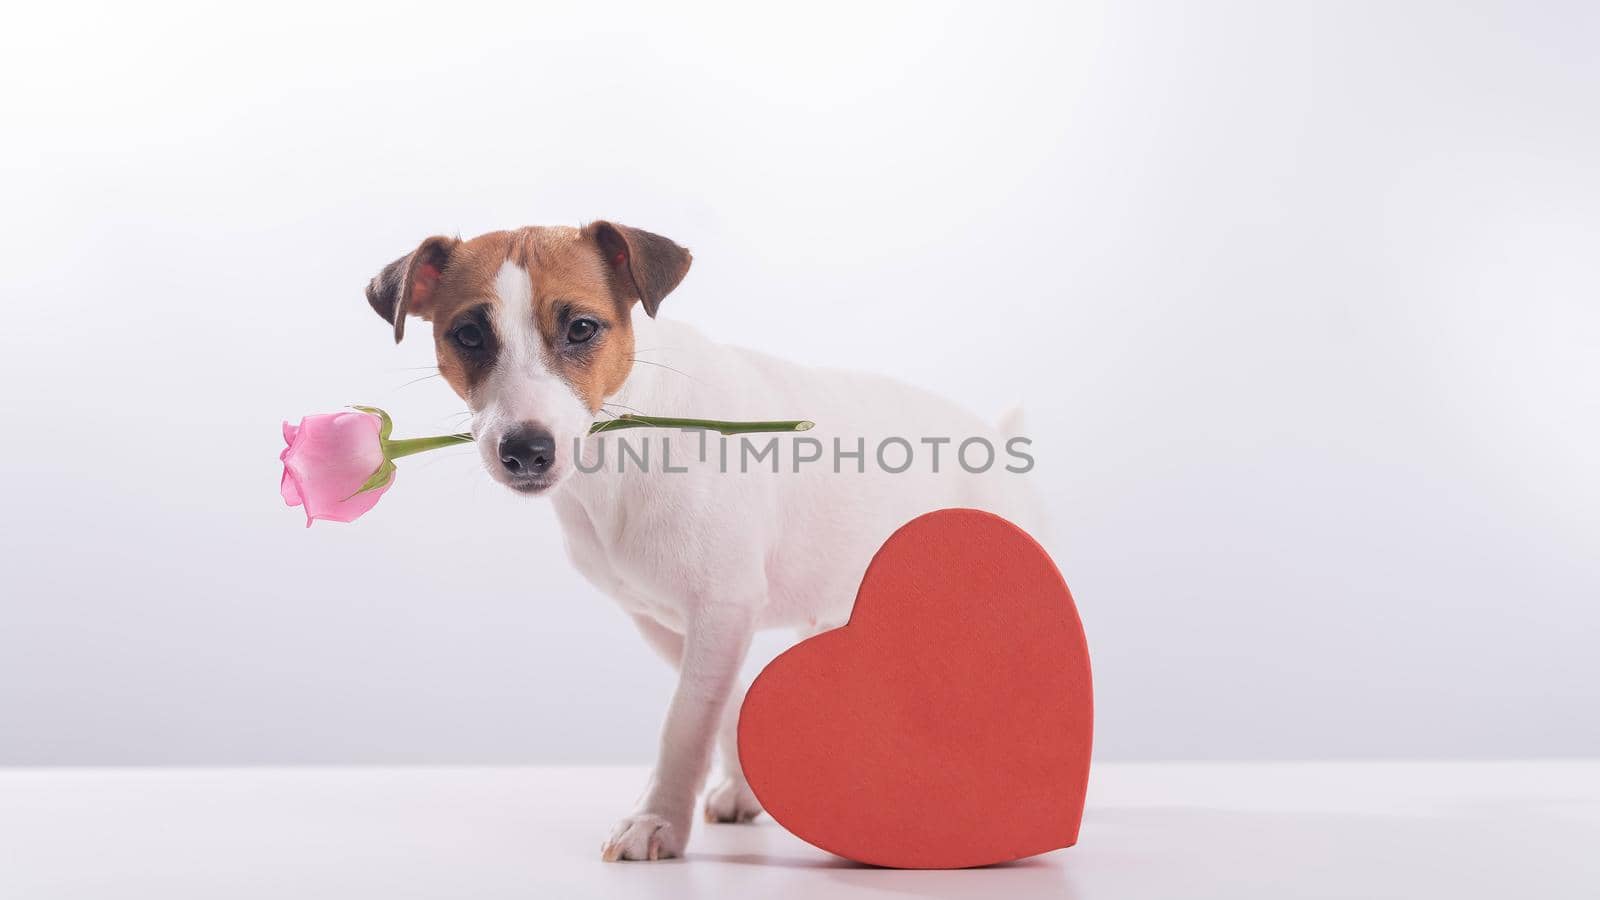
[641, 265]
[406, 286]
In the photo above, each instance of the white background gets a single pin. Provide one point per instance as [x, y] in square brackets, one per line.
[1302, 300]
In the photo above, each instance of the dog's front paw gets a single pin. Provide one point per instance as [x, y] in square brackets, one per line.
[645, 836]
[732, 801]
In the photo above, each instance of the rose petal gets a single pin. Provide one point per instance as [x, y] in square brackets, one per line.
[288, 488]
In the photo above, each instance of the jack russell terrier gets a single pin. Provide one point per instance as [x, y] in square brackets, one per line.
[536, 330]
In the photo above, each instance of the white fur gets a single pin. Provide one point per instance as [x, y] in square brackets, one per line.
[702, 559]
[522, 388]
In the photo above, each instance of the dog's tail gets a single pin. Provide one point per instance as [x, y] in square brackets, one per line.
[1011, 424]
[1026, 508]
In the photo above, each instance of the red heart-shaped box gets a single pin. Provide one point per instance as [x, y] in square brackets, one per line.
[948, 723]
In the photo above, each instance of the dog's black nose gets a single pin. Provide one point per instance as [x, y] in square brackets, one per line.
[527, 450]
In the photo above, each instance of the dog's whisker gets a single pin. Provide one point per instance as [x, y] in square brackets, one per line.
[440, 457]
[416, 380]
[663, 366]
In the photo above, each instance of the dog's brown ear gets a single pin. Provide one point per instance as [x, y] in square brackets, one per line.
[642, 265]
[406, 286]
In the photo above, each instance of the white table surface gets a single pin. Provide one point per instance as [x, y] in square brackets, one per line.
[1347, 830]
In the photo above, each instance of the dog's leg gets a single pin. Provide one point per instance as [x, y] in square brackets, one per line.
[667, 643]
[731, 800]
[718, 636]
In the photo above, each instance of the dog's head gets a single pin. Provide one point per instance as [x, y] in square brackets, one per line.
[533, 328]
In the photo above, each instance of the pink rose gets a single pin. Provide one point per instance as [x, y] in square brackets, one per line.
[330, 458]
[337, 465]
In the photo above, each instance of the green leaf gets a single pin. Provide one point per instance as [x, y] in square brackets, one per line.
[378, 479]
[385, 424]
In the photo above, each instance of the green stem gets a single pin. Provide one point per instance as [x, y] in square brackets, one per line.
[721, 427]
[408, 446]
[396, 449]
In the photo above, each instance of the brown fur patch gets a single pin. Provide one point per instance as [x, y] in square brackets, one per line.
[568, 280]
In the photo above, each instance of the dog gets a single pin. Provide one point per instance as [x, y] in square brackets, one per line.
[545, 331]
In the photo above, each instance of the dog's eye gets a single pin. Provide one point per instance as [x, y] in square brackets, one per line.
[581, 330]
[468, 336]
